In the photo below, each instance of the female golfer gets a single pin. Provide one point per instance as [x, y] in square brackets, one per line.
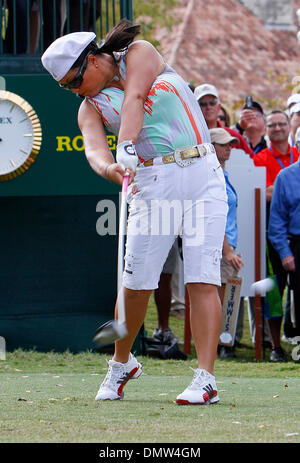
[177, 185]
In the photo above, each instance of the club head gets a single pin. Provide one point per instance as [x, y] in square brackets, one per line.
[110, 332]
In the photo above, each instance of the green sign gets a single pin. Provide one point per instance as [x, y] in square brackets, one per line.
[61, 167]
[58, 273]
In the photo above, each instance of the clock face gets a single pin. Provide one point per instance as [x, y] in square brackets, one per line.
[20, 135]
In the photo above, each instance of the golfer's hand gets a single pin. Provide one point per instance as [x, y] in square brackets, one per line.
[115, 173]
[288, 263]
[126, 156]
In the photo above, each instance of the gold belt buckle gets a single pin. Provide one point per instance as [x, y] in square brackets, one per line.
[168, 159]
[180, 161]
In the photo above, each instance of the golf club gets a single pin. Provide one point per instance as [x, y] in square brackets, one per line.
[114, 330]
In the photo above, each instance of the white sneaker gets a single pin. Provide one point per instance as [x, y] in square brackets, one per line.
[202, 390]
[117, 376]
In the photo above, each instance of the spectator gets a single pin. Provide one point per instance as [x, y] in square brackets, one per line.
[284, 231]
[57, 21]
[294, 122]
[162, 298]
[82, 16]
[208, 98]
[275, 158]
[252, 126]
[224, 117]
[293, 99]
[288, 328]
[297, 139]
[230, 262]
[17, 23]
[53, 16]
[178, 289]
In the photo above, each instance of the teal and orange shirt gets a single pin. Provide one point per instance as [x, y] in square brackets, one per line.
[172, 116]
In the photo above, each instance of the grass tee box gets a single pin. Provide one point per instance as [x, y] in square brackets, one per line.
[50, 398]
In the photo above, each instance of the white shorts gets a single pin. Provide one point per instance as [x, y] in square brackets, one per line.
[167, 200]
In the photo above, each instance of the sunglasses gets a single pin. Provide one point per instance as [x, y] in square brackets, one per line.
[77, 81]
[208, 103]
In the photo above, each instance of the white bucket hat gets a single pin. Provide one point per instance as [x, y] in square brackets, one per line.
[64, 51]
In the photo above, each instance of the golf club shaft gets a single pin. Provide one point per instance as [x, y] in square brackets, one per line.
[122, 231]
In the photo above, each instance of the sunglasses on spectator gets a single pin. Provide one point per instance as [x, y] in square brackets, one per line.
[204, 104]
[280, 124]
[77, 81]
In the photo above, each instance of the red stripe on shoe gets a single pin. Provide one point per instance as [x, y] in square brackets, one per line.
[186, 402]
[206, 396]
[130, 374]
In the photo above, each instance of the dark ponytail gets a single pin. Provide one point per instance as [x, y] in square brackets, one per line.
[118, 39]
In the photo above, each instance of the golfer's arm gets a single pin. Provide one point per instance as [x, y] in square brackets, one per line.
[143, 66]
[95, 142]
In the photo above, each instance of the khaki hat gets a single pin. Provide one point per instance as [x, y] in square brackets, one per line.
[64, 51]
[205, 89]
[222, 137]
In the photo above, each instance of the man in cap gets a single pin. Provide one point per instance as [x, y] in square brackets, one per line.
[208, 98]
[291, 101]
[252, 126]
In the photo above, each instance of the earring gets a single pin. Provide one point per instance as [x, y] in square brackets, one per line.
[116, 78]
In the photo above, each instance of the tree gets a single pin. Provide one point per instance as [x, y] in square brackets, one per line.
[150, 14]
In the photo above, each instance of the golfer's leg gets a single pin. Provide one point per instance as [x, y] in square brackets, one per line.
[206, 316]
[136, 302]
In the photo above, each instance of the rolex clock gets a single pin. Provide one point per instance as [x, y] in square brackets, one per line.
[20, 135]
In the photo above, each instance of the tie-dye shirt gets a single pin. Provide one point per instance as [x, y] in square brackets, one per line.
[173, 118]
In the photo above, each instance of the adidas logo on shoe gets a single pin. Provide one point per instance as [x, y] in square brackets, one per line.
[202, 390]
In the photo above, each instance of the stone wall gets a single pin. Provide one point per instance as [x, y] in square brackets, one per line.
[276, 14]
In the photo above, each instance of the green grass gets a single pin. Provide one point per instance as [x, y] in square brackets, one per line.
[49, 397]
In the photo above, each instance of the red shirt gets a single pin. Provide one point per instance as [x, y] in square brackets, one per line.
[268, 159]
